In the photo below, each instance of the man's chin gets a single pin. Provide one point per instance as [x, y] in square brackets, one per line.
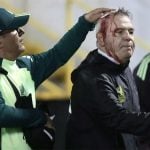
[129, 53]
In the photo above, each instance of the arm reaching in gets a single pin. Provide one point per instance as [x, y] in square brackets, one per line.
[66, 46]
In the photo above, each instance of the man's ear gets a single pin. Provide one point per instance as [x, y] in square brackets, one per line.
[100, 39]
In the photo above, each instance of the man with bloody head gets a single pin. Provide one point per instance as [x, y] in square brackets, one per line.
[105, 112]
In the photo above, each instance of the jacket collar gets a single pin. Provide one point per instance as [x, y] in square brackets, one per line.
[95, 58]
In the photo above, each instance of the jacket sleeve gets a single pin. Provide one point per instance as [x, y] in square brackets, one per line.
[101, 103]
[15, 117]
[44, 64]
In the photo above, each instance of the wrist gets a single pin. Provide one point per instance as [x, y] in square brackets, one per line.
[89, 25]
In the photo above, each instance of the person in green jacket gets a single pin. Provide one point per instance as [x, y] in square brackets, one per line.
[28, 72]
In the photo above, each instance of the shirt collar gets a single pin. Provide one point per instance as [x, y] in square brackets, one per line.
[108, 57]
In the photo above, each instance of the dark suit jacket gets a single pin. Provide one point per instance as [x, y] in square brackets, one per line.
[105, 108]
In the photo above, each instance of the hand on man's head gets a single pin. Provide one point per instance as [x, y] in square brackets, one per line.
[96, 14]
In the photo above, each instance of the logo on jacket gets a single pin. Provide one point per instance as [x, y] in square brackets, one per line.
[121, 94]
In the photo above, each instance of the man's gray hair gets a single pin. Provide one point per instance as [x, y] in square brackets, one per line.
[103, 19]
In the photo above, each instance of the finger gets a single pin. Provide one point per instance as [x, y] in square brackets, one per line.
[103, 10]
[107, 14]
[96, 14]
[108, 10]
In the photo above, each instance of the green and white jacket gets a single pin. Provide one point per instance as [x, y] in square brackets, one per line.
[27, 73]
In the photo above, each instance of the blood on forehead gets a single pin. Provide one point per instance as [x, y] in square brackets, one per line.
[103, 27]
[109, 23]
[113, 25]
[105, 22]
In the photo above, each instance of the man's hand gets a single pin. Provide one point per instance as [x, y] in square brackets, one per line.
[96, 14]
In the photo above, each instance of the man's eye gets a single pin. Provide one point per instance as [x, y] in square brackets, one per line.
[118, 32]
[131, 32]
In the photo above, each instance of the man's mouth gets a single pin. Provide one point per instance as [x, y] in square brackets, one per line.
[127, 46]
